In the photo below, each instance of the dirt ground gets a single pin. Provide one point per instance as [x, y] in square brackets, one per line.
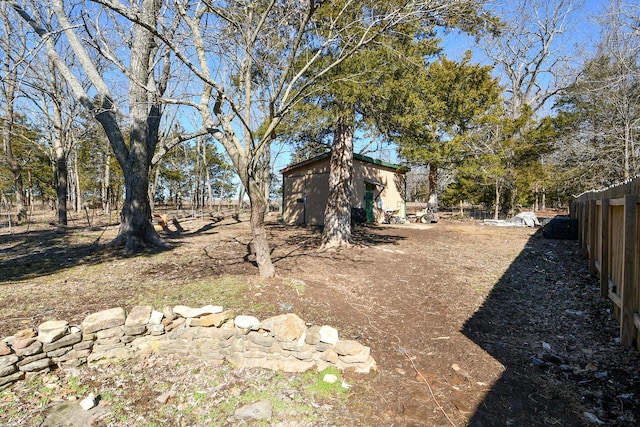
[469, 324]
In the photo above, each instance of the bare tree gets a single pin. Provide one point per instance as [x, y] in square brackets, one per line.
[530, 52]
[621, 43]
[601, 111]
[14, 52]
[146, 86]
[58, 112]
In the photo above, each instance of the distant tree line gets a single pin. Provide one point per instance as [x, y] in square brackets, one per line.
[130, 105]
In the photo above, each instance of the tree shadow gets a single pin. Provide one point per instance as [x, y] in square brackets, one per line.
[544, 322]
[41, 253]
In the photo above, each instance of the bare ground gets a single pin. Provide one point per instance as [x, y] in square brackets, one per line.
[469, 324]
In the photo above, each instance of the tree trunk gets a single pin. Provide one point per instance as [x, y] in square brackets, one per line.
[12, 162]
[76, 182]
[106, 183]
[61, 186]
[153, 186]
[197, 176]
[266, 176]
[60, 144]
[337, 214]
[209, 189]
[496, 209]
[260, 242]
[8, 87]
[433, 184]
[136, 228]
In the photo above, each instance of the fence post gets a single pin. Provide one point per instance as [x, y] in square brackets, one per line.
[593, 227]
[627, 328]
[604, 261]
[583, 227]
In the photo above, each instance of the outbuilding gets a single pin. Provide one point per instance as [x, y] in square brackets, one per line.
[377, 186]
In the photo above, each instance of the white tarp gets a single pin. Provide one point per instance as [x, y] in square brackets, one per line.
[523, 219]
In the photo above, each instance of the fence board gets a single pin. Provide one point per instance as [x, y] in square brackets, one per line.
[609, 233]
[604, 250]
[627, 331]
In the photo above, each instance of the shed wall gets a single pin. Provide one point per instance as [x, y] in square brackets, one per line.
[306, 190]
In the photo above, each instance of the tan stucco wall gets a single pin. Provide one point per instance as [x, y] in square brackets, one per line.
[310, 183]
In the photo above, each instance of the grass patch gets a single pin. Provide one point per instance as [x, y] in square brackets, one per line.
[321, 389]
[297, 285]
[227, 291]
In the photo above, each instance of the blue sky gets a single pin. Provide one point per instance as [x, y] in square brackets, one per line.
[582, 32]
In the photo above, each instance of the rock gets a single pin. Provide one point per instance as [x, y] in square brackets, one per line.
[4, 349]
[88, 402]
[59, 352]
[33, 348]
[37, 365]
[303, 355]
[11, 378]
[106, 334]
[246, 322]
[28, 359]
[71, 355]
[328, 335]
[139, 315]
[8, 360]
[175, 324]
[71, 414]
[329, 356]
[25, 333]
[294, 365]
[592, 418]
[22, 343]
[66, 341]
[135, 330]
[156, 330]
[260, 339]
[313, 335]
[99, 347]
[7, 370]
[52, 330]
[156, 317]
[330, 378]
[168, 313]
[208, 320]
[348, 347]
[286, 327]
[260, 410]
[117, 353]
[574, 312]
[361, 357]
[358, 368]
[164, 397]
[83, 345]
[103, 320]
[187, 312]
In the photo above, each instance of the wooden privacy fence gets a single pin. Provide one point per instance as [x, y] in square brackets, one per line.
[609, 226]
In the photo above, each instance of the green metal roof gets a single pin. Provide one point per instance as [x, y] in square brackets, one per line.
[356, 156]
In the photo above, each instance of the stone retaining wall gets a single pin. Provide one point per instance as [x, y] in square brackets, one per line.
[283, 342]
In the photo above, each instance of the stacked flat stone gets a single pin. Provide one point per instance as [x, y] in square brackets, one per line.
[207, 333]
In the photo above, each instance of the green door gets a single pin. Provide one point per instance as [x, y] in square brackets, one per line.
[368, 201]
